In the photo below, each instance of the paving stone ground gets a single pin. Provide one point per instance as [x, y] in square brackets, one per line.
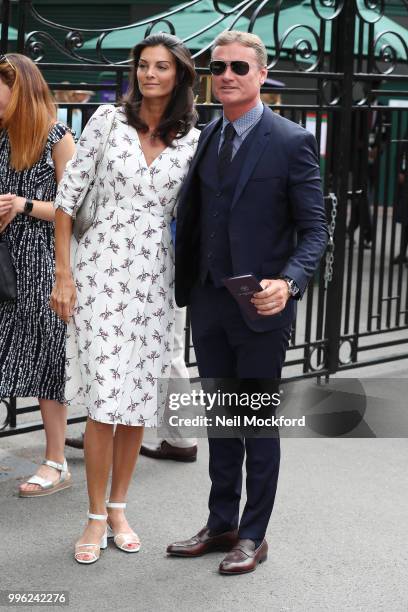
[338, 540]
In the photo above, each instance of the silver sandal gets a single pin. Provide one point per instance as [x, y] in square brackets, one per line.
[47, 486]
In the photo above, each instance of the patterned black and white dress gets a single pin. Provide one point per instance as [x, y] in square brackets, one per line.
[120, 338]
[32, 338]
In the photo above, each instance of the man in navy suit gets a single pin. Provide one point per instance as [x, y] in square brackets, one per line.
[251, 203]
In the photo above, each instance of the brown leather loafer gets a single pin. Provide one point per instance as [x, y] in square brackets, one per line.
[164, 450]
[203, 543]
[75, 442]
[244, 557]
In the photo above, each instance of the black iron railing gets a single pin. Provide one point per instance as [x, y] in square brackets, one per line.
[344, 67]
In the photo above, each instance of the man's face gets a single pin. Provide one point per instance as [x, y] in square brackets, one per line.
[232, 89]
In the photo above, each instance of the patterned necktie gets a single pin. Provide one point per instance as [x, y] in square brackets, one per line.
[225, 154]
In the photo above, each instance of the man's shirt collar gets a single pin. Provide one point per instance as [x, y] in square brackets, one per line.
[246, 121]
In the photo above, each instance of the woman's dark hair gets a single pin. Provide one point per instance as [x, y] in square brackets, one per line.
[180, 115]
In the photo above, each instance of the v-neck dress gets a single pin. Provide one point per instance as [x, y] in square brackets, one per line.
[120, 338]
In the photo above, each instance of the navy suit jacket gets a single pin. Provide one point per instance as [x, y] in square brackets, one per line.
[277, 223]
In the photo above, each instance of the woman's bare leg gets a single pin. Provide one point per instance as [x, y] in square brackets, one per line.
[54, 416]
[126, 447]
[98, 445]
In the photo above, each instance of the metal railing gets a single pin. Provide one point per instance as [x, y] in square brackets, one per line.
[339, 75]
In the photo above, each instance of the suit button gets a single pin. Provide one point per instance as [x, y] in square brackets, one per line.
[212, 235]
[209, 256]
[216, 213]
[218, 194]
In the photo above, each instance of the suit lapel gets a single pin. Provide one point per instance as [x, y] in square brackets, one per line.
[254, 152]
[206, 135]
[187, 189]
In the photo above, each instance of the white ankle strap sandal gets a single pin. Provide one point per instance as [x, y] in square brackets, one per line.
[92, 555]
[128, 542]
[97, 517]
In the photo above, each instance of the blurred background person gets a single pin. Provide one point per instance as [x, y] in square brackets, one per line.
[401, 213]
[367, 150]
[80, 115]
[34, 149]
[271, 93]
[175, 446]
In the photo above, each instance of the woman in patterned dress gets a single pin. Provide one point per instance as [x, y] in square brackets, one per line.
[120, 291]
[34, 149]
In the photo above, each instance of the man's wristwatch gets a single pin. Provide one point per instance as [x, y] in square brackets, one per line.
[28, 206]
[292, 286]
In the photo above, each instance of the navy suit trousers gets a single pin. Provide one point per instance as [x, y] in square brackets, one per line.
[226, 347]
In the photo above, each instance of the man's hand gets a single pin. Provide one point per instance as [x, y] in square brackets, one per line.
[273, 298]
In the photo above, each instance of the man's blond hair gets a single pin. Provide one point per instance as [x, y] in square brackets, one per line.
[245, 39]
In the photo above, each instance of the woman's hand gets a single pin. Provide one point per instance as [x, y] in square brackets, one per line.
[10, 206]
[5, 203]
[63, 296]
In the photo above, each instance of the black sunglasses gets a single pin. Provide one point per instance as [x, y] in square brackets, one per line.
[239, 67]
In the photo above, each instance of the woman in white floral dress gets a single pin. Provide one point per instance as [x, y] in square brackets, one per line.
[120, 293]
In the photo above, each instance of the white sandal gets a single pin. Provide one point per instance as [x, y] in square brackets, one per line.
[103, 544]
[47, 486]
[122, 540]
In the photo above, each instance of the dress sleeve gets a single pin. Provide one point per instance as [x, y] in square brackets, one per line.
[81, 169]
[192, 139]
[57, 132]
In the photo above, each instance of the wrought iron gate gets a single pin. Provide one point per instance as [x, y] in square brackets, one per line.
[345, 66]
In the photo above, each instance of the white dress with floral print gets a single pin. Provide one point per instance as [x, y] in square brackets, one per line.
[120, 337]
